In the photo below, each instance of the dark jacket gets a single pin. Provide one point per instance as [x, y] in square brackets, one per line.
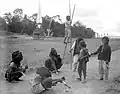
[104, 52]
[77, 48]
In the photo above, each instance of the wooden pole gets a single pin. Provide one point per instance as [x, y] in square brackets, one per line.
[71, 38]
[69, 8]
[73, 11]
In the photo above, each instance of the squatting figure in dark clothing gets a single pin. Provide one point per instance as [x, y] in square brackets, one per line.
[104, 57]
[54, 62]
[15, 70]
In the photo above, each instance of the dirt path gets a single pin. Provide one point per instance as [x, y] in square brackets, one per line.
[93, 85]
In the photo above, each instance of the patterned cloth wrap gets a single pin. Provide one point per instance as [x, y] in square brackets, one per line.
[39, 84]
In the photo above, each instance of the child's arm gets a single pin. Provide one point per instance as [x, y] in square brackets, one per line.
[81, 54]
[84, 56]
[53, 64]
[98, 51]
[109, 54]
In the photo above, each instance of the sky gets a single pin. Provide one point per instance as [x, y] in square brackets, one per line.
[103, 16]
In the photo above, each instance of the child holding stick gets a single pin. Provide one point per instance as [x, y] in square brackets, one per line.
[67, 29]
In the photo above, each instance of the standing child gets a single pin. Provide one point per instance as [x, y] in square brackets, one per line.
[67, 29]
[104, 57]
[76, 50]
[83, 59]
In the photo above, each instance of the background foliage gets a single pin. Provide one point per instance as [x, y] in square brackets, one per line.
[16, 22]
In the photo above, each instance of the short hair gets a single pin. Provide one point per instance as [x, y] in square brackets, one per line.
[53, 51]
[17, 56]
[106, 38]
[67, 17]
[80, 39]
[83, 44]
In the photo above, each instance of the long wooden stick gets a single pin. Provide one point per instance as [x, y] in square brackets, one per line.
[73, 11]
[69, 8]
[64, 51]
[71, 37]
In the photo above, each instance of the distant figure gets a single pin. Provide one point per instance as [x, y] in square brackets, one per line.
[43, 81]
[67, 30]
[104, 57]
[15, 70]
[54, 63]
[83, 59]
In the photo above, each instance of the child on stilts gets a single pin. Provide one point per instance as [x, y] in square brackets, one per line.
[67, 30]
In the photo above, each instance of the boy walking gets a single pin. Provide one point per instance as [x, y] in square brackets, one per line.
[83, 59]
[104, 57]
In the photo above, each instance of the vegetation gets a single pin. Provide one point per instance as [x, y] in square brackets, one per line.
[16, 22]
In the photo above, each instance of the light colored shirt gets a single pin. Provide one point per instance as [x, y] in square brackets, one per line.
[73, 45]
[68, 24]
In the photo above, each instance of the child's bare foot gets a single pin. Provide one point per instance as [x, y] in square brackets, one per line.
[84, 81]
[79, 79]
[65, 42]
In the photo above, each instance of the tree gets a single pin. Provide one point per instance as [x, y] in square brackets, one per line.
[18, 13]
[34, 17]
[2, 24]
[7, 17]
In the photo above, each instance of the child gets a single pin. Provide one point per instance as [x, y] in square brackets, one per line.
[83, 59]
[15, 70]
[67, 30]
[104, 57]
[43, 81]
[54, 63]
[76, 50]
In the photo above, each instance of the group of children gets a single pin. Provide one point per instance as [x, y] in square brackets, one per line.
[81, 57]
[42, 79]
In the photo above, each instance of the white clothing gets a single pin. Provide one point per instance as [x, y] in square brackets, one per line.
[75, 62]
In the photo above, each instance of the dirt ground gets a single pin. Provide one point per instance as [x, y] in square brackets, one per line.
[36, 51]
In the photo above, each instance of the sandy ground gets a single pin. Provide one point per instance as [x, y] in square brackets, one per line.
[36, 51]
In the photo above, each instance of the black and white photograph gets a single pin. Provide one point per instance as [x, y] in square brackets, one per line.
[59, 46]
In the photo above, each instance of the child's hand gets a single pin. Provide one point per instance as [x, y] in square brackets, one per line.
[70, 51]
[107, 62]
[26, 67]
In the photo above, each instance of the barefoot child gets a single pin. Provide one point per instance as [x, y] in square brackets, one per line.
[76, 50]
[104, 57]
[67, 29]
[15, 70]
[43, 81]
[83, 59]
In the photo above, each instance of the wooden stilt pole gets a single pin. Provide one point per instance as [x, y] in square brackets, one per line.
[71, 40]
[70, 36]
[64, 51]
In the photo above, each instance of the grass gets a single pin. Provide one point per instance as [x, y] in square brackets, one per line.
[35, 57]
